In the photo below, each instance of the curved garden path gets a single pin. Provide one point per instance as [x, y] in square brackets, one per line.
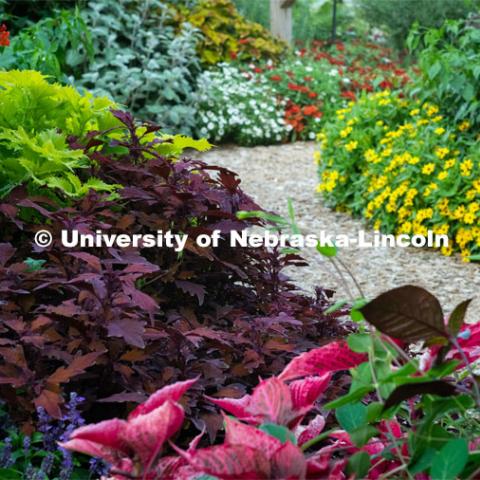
[272, 174]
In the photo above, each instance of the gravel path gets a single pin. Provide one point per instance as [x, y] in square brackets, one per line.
[272, 174]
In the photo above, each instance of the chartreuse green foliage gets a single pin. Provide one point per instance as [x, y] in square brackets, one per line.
[227, 35]
[449, 59]
[404, 167]
[36, 117]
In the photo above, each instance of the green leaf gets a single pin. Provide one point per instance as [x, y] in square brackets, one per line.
[359, 342]
[434, 70]
[362, 435]
[374, 411]
[336, 306]
[10, 474]
[279, 432]
[351, 397]
[450, 460]
[270, 217]
[291, 214]
[358, 464]
[34, 265]
[352, 416]
[423, 462]
[327, 250]
[356, 315]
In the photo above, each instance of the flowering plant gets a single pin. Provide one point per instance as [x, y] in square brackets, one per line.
[235, 106]
[405, 168]
[379, 427]
[4, 36]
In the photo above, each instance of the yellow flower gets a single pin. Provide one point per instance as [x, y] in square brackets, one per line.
[414, 112]
[441, 152]
[466, 167]
[450, 163]
[465, 125]
[447, 251]
[439, 131]
[469, 218]
[428, 168]
[442, 175]
[406, 227]
[317, 157]
[432, 110]
[350, 146]
[377, 224]
[345, 132]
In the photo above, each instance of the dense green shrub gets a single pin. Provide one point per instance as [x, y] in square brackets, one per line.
[24, 13]
[405, 168]
[397, 17]
[56, 46]
[141, 62]
[449, 59]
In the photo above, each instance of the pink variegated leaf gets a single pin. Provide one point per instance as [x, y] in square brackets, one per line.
[237, 433]
[272, 402]
[312, 430]
[91, 448]
[321, 461]
[306, 391]
[332, 357]
[288, 462]
[171, 392]
[231, 462]
[108, 434]
[236, 406]
[147, 433]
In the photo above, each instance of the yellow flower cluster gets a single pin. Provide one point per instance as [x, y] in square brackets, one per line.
[410, 167]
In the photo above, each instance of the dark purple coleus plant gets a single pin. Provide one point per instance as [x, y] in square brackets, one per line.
[116, 324]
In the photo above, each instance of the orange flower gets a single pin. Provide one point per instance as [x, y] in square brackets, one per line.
[4, 36]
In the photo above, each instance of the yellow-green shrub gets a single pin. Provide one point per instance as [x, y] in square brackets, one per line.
[226, 35]
[405, 168]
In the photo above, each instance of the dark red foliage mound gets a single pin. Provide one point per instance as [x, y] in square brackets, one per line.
[117, 324]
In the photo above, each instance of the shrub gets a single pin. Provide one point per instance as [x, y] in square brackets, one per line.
[399, 415]
[55, 46]
[449, 60]
[398, 17]
[237, 107]
[115, 325]
[404, 167]
[226, 35]
[35, 120]
[142, 63]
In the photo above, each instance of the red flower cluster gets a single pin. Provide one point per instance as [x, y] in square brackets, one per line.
[4, 36]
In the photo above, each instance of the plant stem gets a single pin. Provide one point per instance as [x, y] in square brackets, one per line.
[468, 367]
[318, 438]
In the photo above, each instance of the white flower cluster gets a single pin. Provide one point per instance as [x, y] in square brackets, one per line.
[234, 106]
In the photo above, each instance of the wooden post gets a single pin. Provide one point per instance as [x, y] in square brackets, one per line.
[334, 22]
[281, 19]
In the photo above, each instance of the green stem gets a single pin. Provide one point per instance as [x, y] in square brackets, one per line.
[318, 438]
